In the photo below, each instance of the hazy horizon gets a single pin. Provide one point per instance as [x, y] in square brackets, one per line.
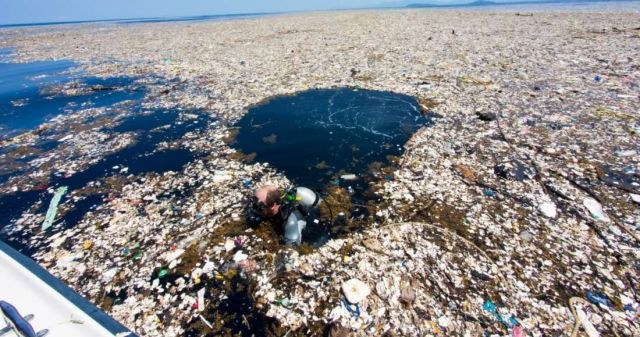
[52, 11]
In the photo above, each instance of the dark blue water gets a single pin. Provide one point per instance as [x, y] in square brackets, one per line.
[29, 93]
[35, 92]
[316, 136]
[216, 17]
[219, 17]
[139, 158]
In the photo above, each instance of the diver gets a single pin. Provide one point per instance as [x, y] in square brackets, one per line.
[296, 209]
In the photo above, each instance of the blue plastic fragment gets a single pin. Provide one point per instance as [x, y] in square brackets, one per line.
[629, 307]
[599, 298]
[247, 183]
[354, 312]
[490, 307]
[488, 192]
[597, 78]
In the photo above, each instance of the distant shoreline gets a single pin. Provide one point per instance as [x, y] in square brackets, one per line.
[483, 3]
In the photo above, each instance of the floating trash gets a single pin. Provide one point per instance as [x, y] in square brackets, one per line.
[355, 290]
[53, 207]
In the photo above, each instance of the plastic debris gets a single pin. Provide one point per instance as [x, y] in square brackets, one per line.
[407, 295]
[595, 209]
[625, 300]
[355, 290]
[488, 192]
[200, 302]
[238, 242]
[108, 275]
[137, 256]
[626, 153]
[352, 308]
[286, 303]
[163, 272]
[444, 322]
[229, 245]
[599, 298]
[508, 322]
[518, 331]
[53, 207]
[239, 256]
[487, 116]
[480, 276]
[588, 326]
[206, 322]
[526, 235]
[570, 135]
[548, 209]
[349, 177]
[247, 183]
[222, 176]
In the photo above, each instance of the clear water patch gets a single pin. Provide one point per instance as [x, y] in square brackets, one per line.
[330, 136]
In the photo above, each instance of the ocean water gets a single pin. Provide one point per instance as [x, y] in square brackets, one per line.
[29, 95]
[593, 6]
[217, 17]
[220, 17]
[34, 93]
[316, 136]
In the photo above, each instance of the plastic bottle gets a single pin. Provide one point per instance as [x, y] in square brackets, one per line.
[293, 228]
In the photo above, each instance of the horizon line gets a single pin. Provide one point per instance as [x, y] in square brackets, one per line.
[207, 16]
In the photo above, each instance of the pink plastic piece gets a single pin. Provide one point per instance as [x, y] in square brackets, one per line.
[238, 242]
[517, 331]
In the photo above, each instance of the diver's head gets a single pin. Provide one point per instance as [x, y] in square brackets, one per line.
[267, 201]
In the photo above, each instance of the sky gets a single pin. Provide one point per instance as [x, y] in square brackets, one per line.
[32, 11]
